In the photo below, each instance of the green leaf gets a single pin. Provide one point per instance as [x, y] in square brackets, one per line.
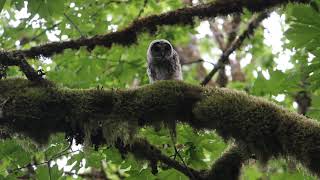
[12, 151]
[55, 7]
[143, 174]
[2, 2]
[171, 174]
[42, 172]
[18, 4]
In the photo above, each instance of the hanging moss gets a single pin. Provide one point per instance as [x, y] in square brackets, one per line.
[103, 116]
[266, 129]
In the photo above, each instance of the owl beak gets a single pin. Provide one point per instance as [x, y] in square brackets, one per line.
[163, 52]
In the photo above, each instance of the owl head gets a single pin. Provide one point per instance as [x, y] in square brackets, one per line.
[160, 49]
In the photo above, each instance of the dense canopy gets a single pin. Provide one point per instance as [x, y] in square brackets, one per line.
[75, 101]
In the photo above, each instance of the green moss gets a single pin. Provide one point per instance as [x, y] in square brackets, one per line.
[267, 129]
[233, 158]
[102, 116]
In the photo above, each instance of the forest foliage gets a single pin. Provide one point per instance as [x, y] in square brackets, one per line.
[285, 71]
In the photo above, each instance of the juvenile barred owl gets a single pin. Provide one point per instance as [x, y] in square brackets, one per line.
[163, 61]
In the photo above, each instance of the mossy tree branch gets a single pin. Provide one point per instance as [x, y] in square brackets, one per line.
[8, 59]
[183, 16]
[102, 116]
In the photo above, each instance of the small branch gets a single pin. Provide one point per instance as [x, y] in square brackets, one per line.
[217, 35]
[228, 166]
[116, 2]
[142, 9]
[196, 62]
[303, 100]
[46, 162]
[63, 152]
[235, 23]
[231, 27]
[27, 40]
[180, 157]
[152, 153]
[73, 24]
[254, 23]
[48, 165]
[303, 97]
[44, 31]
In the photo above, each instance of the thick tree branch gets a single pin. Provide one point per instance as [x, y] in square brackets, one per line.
[254, 23]
[266, 129]
[128, 36]
[19, 60]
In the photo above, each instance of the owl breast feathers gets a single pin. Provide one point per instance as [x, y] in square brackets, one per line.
[163, 61]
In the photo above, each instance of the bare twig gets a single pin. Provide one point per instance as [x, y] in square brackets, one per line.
[27, 40]
[42, 163]
[232, 34]
[73, 24]
[254, 23]
[227, 166]
[185, 165]
[48, 165]
[142, 9]
[218, 35]
[152, 153]
[116, 2]
[196, 62]
[222, 78]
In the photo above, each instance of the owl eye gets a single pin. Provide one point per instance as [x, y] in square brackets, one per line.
[156, 48]
[167, 47]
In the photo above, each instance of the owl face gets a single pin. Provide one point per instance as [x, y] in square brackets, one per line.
[160, 49]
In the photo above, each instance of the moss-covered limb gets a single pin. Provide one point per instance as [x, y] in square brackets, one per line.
[182, 16]
[8, 59]
[38, 111]
[233, 159]
[103, 115]
[267, 129]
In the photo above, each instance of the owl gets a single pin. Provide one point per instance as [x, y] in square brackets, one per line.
[163, 61]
